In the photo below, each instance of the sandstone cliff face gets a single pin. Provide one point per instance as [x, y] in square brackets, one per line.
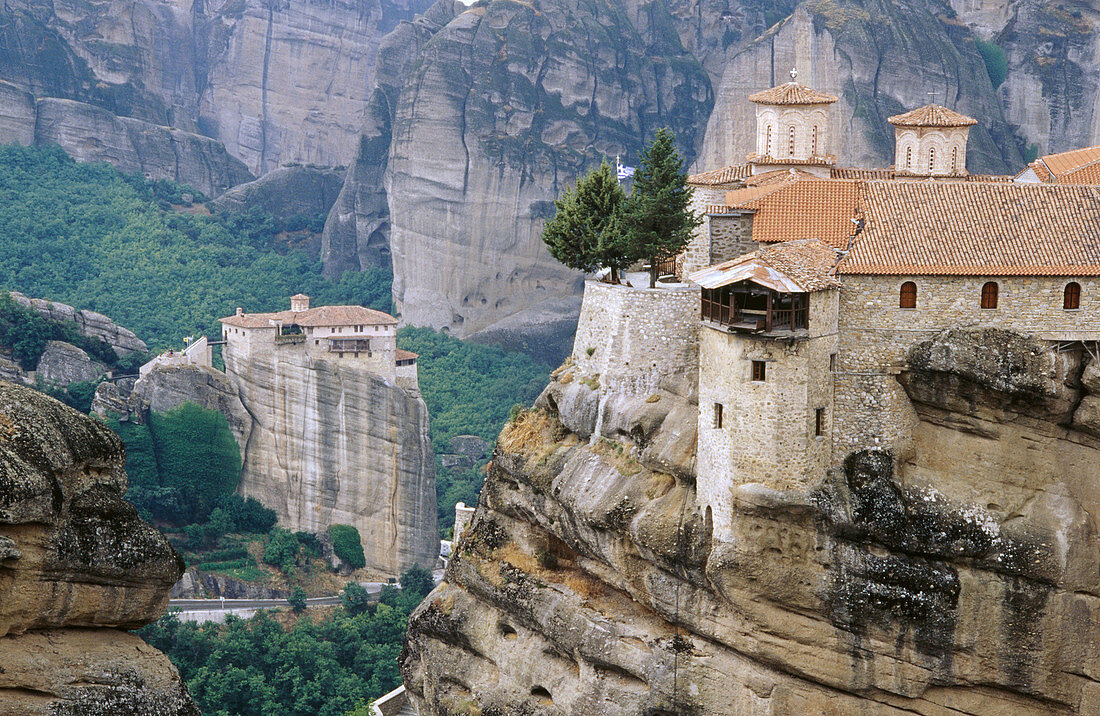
[503, 105]
[960, 580]
[331, 444]
[285, 192]
[168, 387]
[77, 565]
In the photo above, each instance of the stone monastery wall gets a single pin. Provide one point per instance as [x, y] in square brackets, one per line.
[633, 337]
[730, 237]
[876, 335]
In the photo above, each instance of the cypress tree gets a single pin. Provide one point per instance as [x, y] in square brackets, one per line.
[656, 216]
[586, 232]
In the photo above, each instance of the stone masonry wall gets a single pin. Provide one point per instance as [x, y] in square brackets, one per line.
[697, 253]
[768, 433]
[635, 337]
[730, 237]
[875, 336]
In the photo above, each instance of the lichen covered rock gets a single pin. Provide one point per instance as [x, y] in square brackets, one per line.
[961, 579]
[76, 565]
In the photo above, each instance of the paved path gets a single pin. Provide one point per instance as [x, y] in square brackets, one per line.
[215, 609]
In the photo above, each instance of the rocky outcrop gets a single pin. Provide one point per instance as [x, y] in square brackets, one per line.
[332, 443]
[168, 387]
[63, 363]
[77, 566]
[525, 105]
[201, 585]
[285, 192]
[88, 323]
[960, 580]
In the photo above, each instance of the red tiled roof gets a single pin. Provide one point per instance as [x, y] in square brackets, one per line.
[802, 266]
[320, 316]
[800, 209]
[822, 161]
[249, 320]
[932, 115]
[777, 175]
[400, 354]
[1065, 162]
[726, 175]
[335, 316]
[977, 229]
[858, 173]
[791, 93]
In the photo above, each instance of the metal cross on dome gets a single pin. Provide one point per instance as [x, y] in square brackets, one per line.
[794, 74]
[933, 94]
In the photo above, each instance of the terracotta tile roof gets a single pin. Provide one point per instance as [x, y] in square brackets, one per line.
[320, 316]
[823, 161]
[800, 209]
[989, 177]
[977, 229]
[298, 296]
[777, 175]
[790, 267]
[1041, 172]
[1065, 162]
[858, 173]
[932, 115]
[791, 93]
[726, 175]
[400, 354]
[335, 316]
[249, 320]
[1088, 175]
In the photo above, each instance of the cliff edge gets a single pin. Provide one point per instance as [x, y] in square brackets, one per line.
[77, 568]
[959, 580]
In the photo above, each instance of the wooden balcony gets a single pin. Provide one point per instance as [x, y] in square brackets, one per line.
[349, 345]
[290, 338]
[757, 312]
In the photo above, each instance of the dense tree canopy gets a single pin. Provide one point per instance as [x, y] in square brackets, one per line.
[90, 236]
[657, 215]
[586, 231]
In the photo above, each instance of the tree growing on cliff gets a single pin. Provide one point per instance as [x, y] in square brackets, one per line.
[657, 217]
[586, 232]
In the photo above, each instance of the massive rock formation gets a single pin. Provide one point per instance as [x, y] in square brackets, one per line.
[77, 567]
[285, 192]
[272, 83]
[502, 106]
[962, 579]
[89, 323]
[335, 444]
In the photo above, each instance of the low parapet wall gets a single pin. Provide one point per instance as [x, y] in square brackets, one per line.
[634, 337]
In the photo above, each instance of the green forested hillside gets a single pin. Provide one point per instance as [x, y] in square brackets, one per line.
[90, 236]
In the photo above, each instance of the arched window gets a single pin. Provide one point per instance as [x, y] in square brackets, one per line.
[768, 142]
[954, 160]
[1072, 298]
[909, 158]
[814, 142]
[989, 295]
[931, 158]
[790, 142]
[908, 298]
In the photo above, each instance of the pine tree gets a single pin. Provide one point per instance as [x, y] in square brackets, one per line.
[656, 217]
[586, 232]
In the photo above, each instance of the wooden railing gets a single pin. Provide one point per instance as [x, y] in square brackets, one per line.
[291, 338]
[791, 319]
[349, 345]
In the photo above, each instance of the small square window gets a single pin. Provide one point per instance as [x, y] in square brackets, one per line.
[717, 415]
[819, 422]
[759, 371]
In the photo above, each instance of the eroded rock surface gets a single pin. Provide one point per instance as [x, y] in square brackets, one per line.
[89, 323]
[77, 565]
[961, 579]
[332, 443]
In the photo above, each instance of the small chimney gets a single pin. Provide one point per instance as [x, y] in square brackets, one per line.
[299, 302]
[240, 311]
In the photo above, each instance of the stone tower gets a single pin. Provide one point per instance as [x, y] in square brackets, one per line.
[792, 129]
[930, 141]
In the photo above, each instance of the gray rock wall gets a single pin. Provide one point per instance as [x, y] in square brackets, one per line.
[333, 444]
[77, 567]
